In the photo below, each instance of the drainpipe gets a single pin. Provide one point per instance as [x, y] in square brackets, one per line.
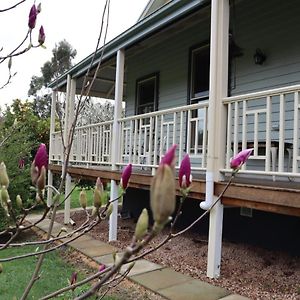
[115, 145]
[216, 128]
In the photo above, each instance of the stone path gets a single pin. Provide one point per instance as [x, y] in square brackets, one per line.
[161, 280]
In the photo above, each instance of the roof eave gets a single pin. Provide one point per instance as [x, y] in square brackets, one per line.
[152, 23]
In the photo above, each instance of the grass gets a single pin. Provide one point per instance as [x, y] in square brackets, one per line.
[54, 275]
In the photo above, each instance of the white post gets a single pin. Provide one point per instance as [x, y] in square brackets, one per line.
[113, 220]
[216, 128]
[69, 117]
[52, 129]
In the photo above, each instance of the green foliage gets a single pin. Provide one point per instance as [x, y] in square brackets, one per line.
[19, 140]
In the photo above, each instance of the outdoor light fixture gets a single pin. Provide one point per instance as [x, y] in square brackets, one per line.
[259, 57]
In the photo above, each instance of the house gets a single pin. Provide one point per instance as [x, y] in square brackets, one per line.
[213, 77]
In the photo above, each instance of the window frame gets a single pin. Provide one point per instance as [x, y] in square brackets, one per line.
[139, 81]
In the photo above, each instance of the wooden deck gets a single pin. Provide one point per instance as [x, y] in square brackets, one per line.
[278, 197]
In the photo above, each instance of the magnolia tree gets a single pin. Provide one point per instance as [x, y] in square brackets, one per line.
[162, 203]
[27, 42]
[162, 199]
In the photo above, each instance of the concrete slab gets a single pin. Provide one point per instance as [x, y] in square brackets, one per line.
[141, 266]
[106, 260]
[80, 240]
[234, 297]
[160, 279]
[193, 290]
[94, 248]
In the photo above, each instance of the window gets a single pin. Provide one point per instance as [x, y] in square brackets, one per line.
[199, 90]
[147, 94]
[199, 83]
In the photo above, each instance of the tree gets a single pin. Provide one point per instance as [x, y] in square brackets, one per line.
[61, 61]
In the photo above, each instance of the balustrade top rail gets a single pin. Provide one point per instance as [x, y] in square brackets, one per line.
[261, 94]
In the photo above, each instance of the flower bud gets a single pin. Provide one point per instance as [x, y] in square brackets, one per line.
[41, 157]
[98, 193]
[39, 8]
[109, 210]
[9, 63]
[142, 225]
[42, 36]
[32, 17]
[101, 268]
[184, 175]
[4, 195]
[237, 161]
[34, 172]
[83, 199]
[126, 176]
[1, 268]
[4, 180]
[169, 157]
[41, 182]
[95, 211]
[73, 278]
[19, 201]
[162, 194]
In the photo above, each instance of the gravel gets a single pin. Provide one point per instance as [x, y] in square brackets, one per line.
[247, 270]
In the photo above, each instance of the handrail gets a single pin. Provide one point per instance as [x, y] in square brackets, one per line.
[166, 111]
[265, 93]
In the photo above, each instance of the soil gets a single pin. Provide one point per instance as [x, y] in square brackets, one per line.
[247, 270]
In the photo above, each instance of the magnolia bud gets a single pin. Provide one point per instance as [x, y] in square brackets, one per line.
[34, 171]
[97, 198]
[39, 8]
[4, 195]
[1, 268]
[162, 194]
[95, 211]
[19, 201]
[131, 265]
[9, 63]
[142, 225]
[9, 204]
[109, 210]
[83, 199]
[4, 180]
[41, 182]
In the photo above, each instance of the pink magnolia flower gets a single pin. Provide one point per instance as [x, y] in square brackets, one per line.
[41, 157]
[32, 17]
[101, 268]
[169, 157]
[237, 161]
[125, 176]
[42, 36]
[185, 177]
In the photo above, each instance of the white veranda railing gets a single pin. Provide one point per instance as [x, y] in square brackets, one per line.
[143, 138]
[267, 121]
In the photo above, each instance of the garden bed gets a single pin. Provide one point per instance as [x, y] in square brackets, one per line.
[247, 270]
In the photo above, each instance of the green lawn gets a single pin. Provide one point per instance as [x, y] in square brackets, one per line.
[54, 275]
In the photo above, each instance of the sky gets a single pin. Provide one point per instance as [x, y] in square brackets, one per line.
[76, 21]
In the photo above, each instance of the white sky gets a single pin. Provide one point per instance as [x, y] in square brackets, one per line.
[76, 21]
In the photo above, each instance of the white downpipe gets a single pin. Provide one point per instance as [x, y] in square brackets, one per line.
[113, 219]
[209, 191]
[216, 129]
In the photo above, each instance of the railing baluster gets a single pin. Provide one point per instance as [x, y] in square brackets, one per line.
[228, 142]
[296, 133]
[181, 137]
[281, 133]
[204, 141]
[268, 135]
[235, 129]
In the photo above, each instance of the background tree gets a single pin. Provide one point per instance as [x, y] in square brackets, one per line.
[61, 61]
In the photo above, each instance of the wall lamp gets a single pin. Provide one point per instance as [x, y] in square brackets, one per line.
[259, 57]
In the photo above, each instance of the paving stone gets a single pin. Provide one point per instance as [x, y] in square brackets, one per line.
[234, 297]
[140, 267]
[94, 248]
[106, 260]
[193, 290]
[160, 279]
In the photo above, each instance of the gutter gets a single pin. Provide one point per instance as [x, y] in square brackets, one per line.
[164, 16]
